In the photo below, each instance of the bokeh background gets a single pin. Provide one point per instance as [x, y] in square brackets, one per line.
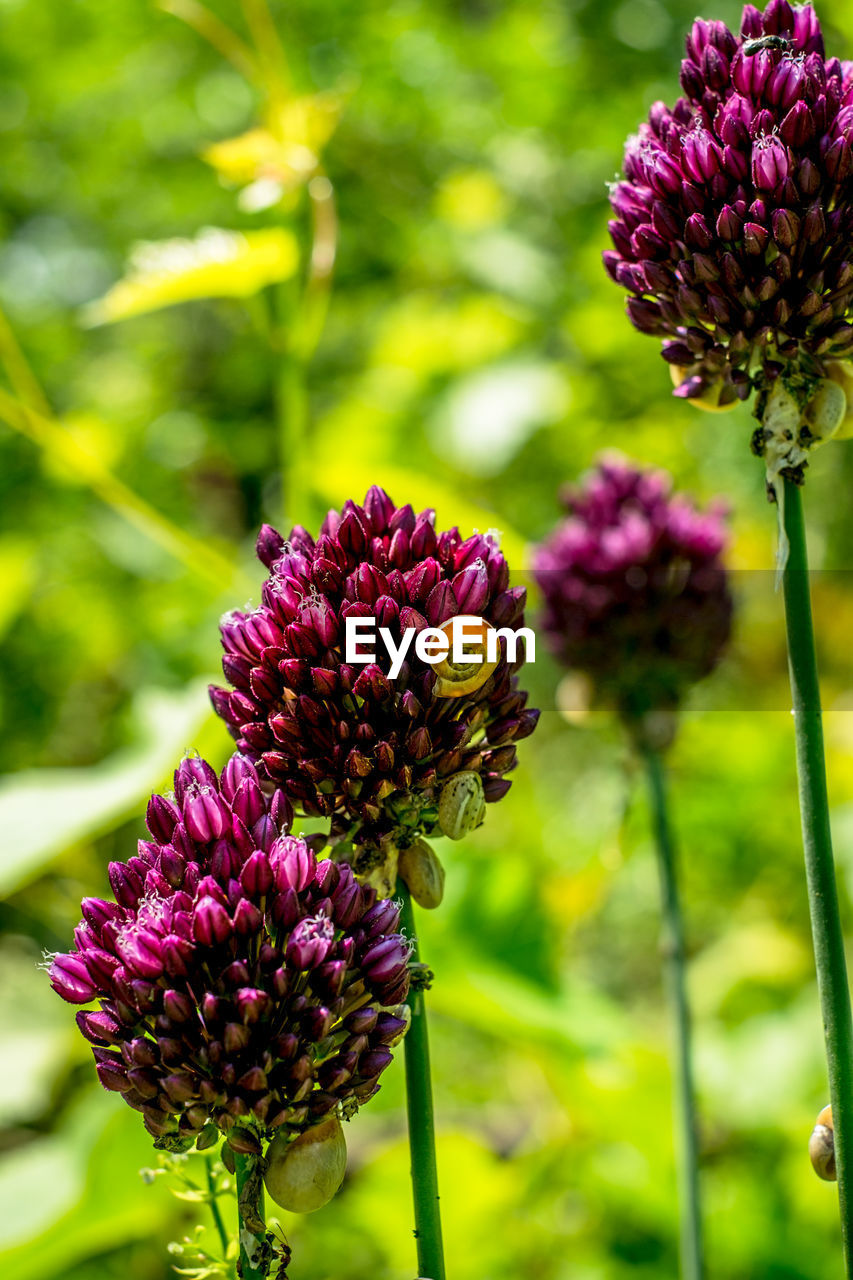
[473, 358]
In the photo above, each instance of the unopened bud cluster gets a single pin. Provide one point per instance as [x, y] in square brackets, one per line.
[636, 595]
[734, 220]
[243, 987]
[346, 741]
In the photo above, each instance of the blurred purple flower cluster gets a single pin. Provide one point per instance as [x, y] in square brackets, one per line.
[636, 595]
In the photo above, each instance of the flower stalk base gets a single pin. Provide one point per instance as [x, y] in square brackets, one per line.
[672, 946]
[254, 1260]
[421, 1118]
[827, 935]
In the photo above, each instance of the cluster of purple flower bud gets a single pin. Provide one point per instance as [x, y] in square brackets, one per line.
[734, 220]
[636, 596]
[345, 740]
[242, 985]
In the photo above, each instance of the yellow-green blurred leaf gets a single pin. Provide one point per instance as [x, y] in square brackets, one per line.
[17, 572]
[43, 811]
[78, 1194]
[216, 264]
[470, 199]
[286, 151]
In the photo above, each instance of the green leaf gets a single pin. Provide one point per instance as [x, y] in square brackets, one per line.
[216, 264]
[287, 151]
[78, 1194]
[17, 573]
[44, 811]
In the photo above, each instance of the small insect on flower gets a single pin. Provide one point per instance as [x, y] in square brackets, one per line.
[752, 47]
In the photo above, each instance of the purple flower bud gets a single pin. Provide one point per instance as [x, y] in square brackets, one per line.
[422, 579]
[755, 237]
[373, 1062]
[292, 862]
[211, 925]
[385, 957]
[126, 883]
[471, 587]
[98, 913]
[770, 166]
[256, 876]
[309, 942]
[204, 812]
[162, 817]
[269, 545]
[193, 772]
[786, 228]
[70, 979]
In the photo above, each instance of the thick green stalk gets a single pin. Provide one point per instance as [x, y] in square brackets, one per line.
[250, 1218]
[686, 1129]
[421, 1121]
[817, 844]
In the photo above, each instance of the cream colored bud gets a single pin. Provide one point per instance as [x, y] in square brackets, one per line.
[303, 1174]
[423, 874]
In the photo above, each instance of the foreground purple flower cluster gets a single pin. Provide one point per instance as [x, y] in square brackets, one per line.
[635, 592]
[243, 986]
[345, 740]
[733, 225]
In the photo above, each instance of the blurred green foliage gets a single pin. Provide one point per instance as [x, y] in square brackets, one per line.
[474, 357]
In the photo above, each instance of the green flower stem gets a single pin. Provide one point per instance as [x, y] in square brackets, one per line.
[672, 946]
[214, 1207]
[292, 410]
[421, 1120]
[817, 844]
[250, 1218]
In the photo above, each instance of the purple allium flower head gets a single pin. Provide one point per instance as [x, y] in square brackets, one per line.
[242, 985]
[345, 740]
[636, 596]
[733, 222]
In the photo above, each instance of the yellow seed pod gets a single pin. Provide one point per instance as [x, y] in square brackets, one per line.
[841, 372]
[822, 1147]
[462, 805]
[422, 872]
[457, 680]
[304, 1174]
[710, 399]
